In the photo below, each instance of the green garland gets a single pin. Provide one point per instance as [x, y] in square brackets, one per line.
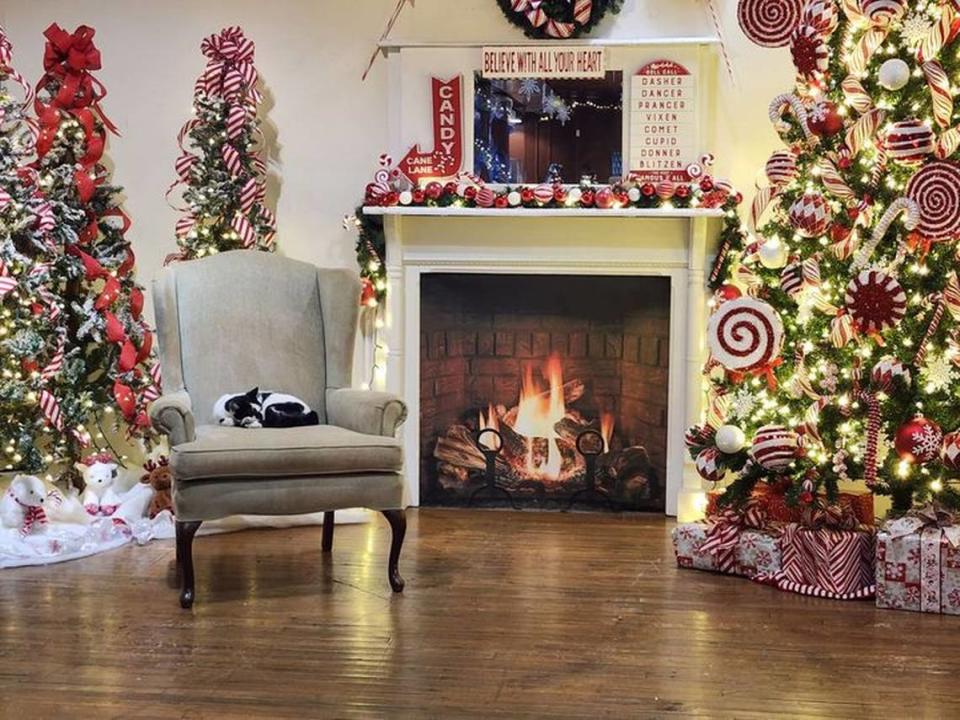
[560, 11]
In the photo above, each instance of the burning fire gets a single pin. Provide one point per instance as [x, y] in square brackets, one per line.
[538, 411]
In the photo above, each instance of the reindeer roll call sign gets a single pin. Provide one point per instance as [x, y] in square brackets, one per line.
[663, 122]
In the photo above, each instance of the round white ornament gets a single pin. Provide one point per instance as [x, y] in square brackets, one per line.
[406, 197]
[633, 194]
[730, 439]
[514, 198]
[574, 195]
[894, 74]
[773, 254]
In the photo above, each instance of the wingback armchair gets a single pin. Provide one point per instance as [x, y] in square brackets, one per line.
[245, 319]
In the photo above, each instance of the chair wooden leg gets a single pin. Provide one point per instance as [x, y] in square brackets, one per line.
[185, 533]
[327, 543]
[398, 524]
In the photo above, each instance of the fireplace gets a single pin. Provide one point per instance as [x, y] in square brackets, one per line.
[545, 361]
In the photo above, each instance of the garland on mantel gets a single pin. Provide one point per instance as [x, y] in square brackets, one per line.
[470, 192]
[557, 19]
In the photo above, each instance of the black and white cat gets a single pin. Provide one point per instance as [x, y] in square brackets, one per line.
[257, 409]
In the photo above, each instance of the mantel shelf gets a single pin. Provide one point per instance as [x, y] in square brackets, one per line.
[389, 44]
[653, 213]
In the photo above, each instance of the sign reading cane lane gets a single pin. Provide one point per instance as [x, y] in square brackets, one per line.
[446, 157]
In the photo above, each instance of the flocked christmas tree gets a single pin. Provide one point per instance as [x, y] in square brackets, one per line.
[30, 330]
[835, 333]
[221, 161]
[104, 372]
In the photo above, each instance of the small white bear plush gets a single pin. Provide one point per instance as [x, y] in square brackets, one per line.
[21, 506]
[99, 471]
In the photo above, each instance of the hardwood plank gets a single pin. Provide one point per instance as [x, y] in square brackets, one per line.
[504, 614]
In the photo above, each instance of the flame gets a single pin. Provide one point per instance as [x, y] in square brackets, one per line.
[490, 421]
[538, 411]
[606, 429]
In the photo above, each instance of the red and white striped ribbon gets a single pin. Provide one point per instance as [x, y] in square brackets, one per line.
[51, 409]
[7, 282]
[935, 321]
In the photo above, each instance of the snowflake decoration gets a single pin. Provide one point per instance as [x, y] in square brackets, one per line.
[528, 88]
[743, 403]
[916, 28]
[884, 446]
[927, 442]
[830, 375]
[556, 107]
[563, 114]
[819, 112]
[938, 373]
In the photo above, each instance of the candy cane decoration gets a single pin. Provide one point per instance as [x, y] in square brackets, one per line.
[947, 143]
[859, 58]
[856, 96]
[873, 434]
[833, 181]
[862, 132]
[901, 205]
[934, 325]
[761, 201]
[939, 85]
[933, 43]
[799, 111]
[7, 282]
[951, 296]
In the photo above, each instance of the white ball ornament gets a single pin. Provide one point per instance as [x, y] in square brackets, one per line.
[406, 197]
[730, 439]
[514, 198]
[574, 195]
[633, 194]
[894, 74]
[773, 254]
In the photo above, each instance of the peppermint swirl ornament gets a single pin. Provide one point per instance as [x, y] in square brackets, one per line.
[811, 55]
[769, 23]
[936, 189]
[774, 447]
[745, 334]
[875, 301]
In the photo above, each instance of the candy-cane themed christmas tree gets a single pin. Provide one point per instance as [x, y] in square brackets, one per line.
[221, 163]
[835, 331]
[30, 329]
[102, 374]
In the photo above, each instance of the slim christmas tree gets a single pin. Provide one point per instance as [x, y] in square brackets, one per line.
[30, 332]
[220, 162]
[835, 334]
[106, 374]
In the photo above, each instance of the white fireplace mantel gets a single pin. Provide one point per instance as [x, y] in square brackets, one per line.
[671, 243]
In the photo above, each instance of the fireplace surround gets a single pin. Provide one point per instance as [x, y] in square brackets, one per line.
[664, 243]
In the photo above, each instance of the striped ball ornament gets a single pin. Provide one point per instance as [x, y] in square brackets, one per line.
[883, 13]
[774, 447]
[486, 197]
[791, 279]
[909, 141]
[781, 167]
[543, 193]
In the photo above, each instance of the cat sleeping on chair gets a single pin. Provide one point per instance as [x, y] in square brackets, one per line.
[257, 409]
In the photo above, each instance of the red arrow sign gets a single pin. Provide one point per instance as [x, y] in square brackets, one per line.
[447, 156]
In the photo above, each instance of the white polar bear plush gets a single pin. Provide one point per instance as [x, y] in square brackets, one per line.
[99, 496]
[21, 506]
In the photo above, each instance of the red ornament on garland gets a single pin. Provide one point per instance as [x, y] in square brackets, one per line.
[560, 194]
[682, 192]
[368, 292]
[587, 198]
[648, 190]
[501, 202]
[526, 195]
[875, 301]
[919, 440]
[605, 198]
[543, 193]
[433, 190]
[419, 195]
[470, 192]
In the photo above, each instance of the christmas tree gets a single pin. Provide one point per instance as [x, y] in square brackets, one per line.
[104, 373]
[30, 332]
[835, 329]
[220, 162]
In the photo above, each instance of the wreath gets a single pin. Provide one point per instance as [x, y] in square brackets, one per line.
[557, 19]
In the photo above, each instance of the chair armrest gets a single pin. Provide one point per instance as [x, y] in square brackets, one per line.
[172, 415]
[366, 411]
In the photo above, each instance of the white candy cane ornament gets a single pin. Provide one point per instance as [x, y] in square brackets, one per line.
[799, 111]
[900, 205]
[939, 85]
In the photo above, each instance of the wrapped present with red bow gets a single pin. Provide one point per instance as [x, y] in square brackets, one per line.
[730, 542]
[828, 554]
[772, 497]
[918, 562]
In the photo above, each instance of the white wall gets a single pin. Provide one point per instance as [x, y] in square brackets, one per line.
[329, 126]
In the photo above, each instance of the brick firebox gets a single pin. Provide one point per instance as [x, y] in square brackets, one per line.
[479, 331]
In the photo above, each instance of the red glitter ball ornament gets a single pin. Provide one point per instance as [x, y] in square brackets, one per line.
[470, 192]
[526, 195]
[648, 190]
[434, 190]
[560, 194]
[500, 202]
[419, 196]
[919, 440]
[587, 198]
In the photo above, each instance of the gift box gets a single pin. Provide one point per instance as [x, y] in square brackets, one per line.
[774, 502]
[755, 553]
[918, 565]
[828, 561]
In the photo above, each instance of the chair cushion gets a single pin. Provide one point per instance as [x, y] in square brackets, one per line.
[220, 452]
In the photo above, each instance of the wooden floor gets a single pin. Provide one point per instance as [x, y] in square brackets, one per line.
[505, 615]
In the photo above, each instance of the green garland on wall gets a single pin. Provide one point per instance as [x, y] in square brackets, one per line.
[556, 19]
